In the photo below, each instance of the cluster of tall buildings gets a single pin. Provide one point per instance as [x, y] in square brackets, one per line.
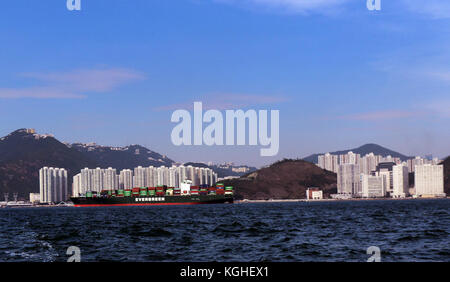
[369, 162]
[374, 176]
[418, 161]
[53, 187]
[108, 179]
[366, 164]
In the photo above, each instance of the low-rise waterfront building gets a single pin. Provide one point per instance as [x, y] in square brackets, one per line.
[314, 194]
[35, 198]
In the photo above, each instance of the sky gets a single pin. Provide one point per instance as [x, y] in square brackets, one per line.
[340, 75]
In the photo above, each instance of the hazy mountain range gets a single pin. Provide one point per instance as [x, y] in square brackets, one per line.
[363, 150]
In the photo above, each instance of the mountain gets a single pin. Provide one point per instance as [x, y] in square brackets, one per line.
[287, 179]
[446, 164]
[24, 152]
[363, 150]
[122, 157]
[225, 170]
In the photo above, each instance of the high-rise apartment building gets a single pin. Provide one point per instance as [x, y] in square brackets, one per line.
[348, 180]
[373, 186]
[76, 185]
[412, 163]
[400, 179]
[429, 180]
[53, 185]
[126, 179]
[140, 177]
[106, 179]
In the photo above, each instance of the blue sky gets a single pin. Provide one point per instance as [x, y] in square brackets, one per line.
[341, 75]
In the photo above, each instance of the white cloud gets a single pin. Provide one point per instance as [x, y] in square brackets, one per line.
[38, 93]
[73, 84]
[381, 115]
[437, 9]
[295, 6]
[440, 75]
[439, 108]
[96, 80]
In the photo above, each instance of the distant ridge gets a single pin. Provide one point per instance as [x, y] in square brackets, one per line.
[23, 152]
[363, 150]
[122, 157]
[221, 172]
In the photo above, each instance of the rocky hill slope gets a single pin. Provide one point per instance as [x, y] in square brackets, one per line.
[287, 179]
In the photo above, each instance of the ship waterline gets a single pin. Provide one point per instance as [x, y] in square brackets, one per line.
[152, 201]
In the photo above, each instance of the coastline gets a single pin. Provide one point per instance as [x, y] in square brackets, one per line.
[247, 201]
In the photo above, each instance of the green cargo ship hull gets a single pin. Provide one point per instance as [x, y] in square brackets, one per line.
[151, 200]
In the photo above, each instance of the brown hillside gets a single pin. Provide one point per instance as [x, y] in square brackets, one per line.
[287, 179]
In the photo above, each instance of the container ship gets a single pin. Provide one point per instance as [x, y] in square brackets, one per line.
[157, 196]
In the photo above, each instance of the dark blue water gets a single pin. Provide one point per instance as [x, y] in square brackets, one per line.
[411, 230]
